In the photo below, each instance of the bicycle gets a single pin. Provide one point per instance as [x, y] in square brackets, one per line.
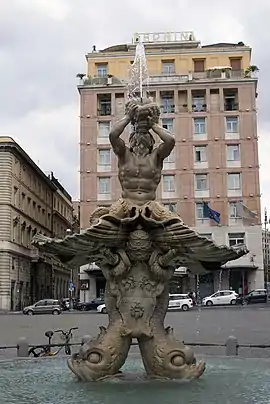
[45, 350]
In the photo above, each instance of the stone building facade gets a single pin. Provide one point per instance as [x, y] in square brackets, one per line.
[26, 208]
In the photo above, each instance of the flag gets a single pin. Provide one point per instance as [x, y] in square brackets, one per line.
[211, 213]
[244, 212]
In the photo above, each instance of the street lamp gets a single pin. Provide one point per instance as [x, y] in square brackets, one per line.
[71, 285]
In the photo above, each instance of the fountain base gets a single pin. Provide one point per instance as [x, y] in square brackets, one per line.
[48, 381]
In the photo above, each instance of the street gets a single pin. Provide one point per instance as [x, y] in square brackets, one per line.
[249, 324]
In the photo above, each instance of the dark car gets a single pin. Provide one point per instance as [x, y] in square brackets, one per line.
[255, 296]
[92, 305]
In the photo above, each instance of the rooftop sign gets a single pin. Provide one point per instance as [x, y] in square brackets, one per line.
[154, 37]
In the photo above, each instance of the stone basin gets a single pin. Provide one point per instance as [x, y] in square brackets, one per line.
[49, 381]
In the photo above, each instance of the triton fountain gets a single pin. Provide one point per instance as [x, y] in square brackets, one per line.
[138, 244]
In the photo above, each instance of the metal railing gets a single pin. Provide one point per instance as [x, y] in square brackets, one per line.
[231, 345]
[160, 78]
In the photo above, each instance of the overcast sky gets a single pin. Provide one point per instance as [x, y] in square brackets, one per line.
[42, 48]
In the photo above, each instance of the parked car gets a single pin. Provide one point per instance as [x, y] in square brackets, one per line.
[45, 306]
[255, 296]
[180, 301]
[102, 309]
[92, 305]
[221, 297]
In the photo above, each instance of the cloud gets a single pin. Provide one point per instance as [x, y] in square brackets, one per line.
[42, 47]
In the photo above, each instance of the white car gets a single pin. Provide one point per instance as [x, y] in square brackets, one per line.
[222, 297]
[102, 309]
[180, 301]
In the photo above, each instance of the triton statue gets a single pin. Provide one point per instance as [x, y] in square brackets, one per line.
[138, 243]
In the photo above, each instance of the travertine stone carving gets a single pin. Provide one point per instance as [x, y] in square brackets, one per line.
[138, 244]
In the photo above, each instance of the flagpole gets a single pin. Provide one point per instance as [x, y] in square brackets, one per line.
[266, 248]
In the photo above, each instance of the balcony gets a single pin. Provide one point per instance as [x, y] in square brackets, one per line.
[165, 78]
[168, 78]
[167, 109]
[167, 102]
[104, 104]
[198, 101]
[230, 99]
[199, 107]
[230, 105]
[104, 110]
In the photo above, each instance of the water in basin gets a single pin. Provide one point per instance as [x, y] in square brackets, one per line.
[48, 381]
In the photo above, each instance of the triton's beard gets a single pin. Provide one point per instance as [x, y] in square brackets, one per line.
[144, 139]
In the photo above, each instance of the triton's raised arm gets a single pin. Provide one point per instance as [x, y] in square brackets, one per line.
[117, 143]
[165, 148]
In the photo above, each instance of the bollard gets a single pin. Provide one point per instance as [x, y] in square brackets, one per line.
[85, 339]
[22, 348]
[232, 346]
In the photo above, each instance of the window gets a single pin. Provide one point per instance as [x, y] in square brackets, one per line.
[167, 102]
[201, 182]
[198, 65]
[233, 152]
[230, 99]
[104, 157]
[168, 124]
[23, 201]
[232, 124]
[15, 196]
[233, 210]
[104, 185]
[104, 104]
[170, 158]
[41, 303]
[168, 183]
[236, 239]
[234, 181]
[104, 129]
[170, 206]
[199, 125]
[168, 67]
[236, 63]
[200, 211]
[102, 69]
[200, 154]
[198, 104]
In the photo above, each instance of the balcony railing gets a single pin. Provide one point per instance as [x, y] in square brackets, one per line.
[167, 109]
[166, 78]
[199, 108]
[104, 110]
[231, 106]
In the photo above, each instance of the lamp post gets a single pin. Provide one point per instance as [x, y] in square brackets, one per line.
[71, 285]
[266, 249]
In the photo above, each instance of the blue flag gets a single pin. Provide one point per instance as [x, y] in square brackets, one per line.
[210, 213]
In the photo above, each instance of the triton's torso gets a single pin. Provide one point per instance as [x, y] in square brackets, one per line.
[139, 176]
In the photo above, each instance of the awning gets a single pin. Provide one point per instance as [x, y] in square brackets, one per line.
[220, 68]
